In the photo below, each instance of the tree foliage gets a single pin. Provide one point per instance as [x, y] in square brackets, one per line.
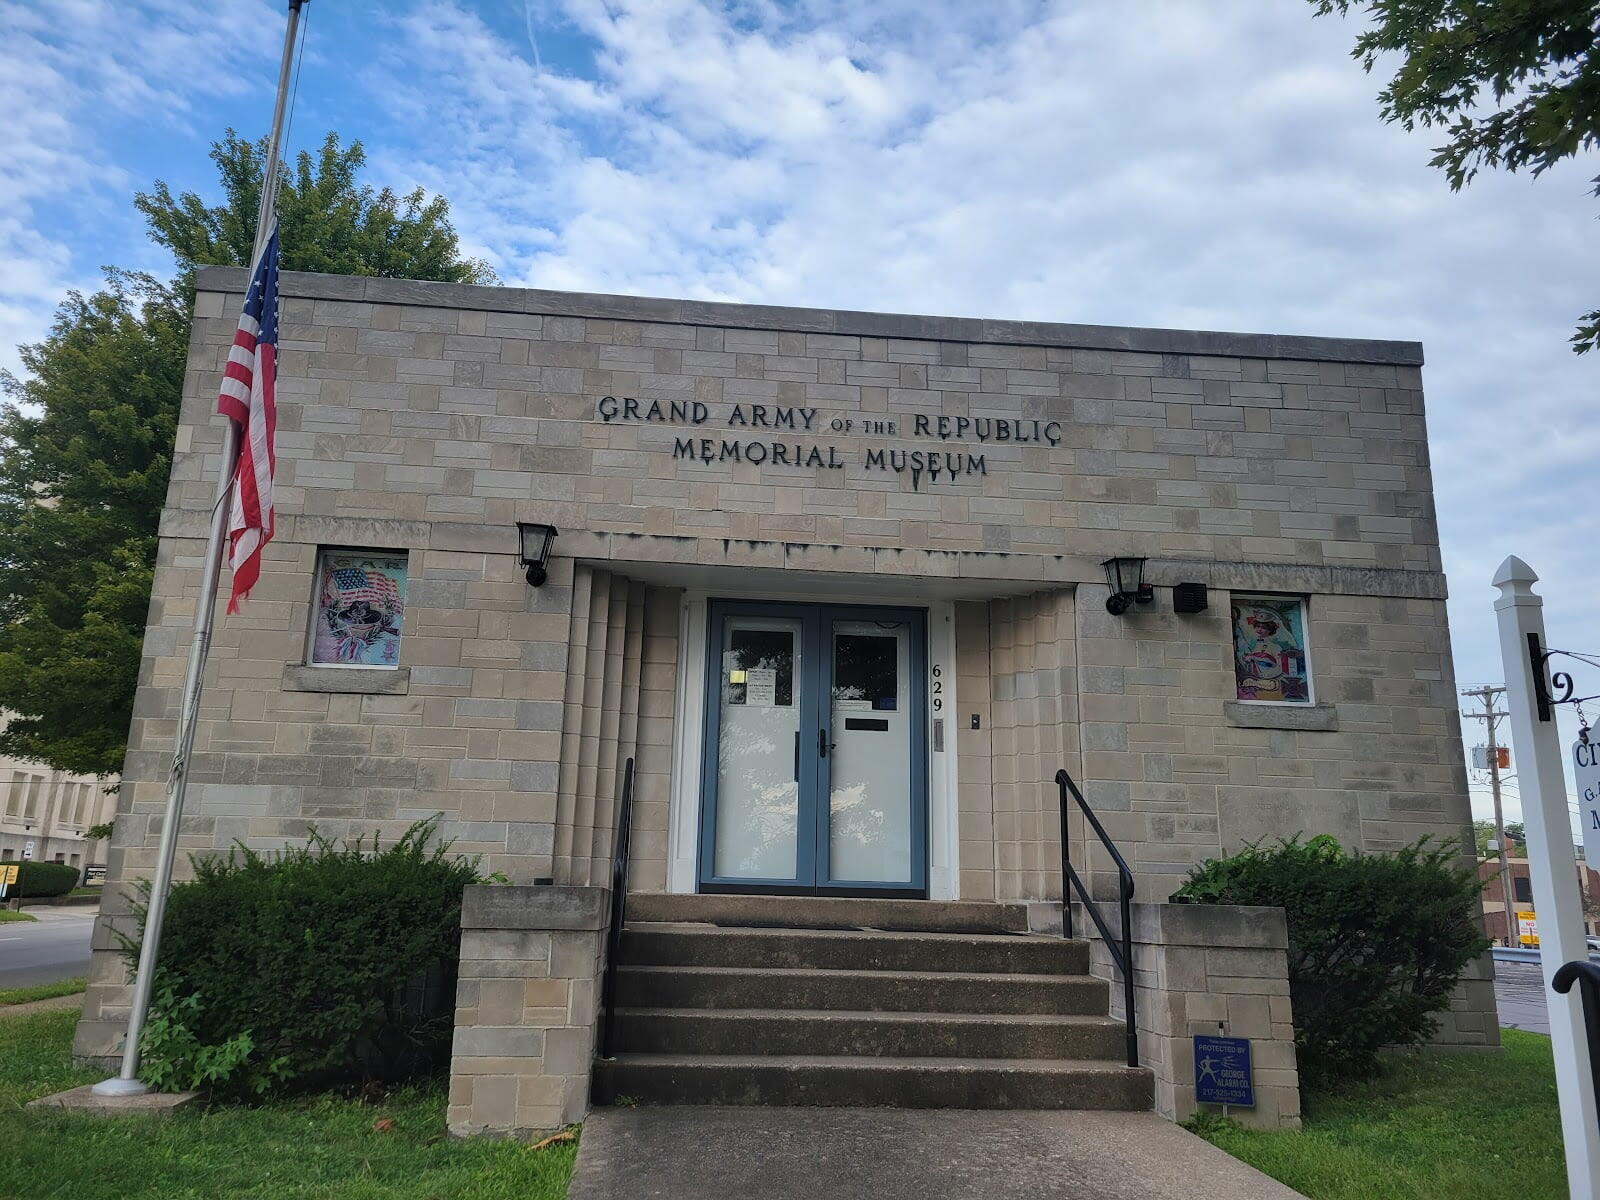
[329, 221]
[1512, 83]
[1483, 833]
[86, 436]
[85, 449]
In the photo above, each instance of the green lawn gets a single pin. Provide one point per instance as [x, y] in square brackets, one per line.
[1463, 1126]
[320, 1147]
[7, 916]
[41, 991]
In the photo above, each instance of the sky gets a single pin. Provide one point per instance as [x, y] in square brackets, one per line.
[1141, 162]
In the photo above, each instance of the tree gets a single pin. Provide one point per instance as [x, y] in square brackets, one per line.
[85, 449]
[328, 221]
[1513, 83]
[86, 438]
[1483, 834]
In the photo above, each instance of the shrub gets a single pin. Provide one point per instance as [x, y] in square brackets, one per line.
[335, 963]
[1376, 941]
[37, 879]
[173, 1059]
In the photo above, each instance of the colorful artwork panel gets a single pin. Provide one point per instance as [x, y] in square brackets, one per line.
[1269, 649]
[361, 600]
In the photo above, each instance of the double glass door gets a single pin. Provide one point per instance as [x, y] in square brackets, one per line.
[815, 768]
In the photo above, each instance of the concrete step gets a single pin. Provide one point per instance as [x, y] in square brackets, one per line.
[830, 912]
[859, 991]
[873, 1082]
[685, 1031]
[693, 945]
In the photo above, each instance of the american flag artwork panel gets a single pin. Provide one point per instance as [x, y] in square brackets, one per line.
[361, 600]
[248, 397]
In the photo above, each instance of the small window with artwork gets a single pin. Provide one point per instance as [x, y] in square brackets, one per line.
[1271, 657]
[358, 608]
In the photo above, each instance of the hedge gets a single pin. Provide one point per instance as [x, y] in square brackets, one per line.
[1376, 941]
[40, 879]
[322, 965]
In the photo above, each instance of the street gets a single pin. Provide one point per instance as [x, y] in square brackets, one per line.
[56, 946]
[1519, 995]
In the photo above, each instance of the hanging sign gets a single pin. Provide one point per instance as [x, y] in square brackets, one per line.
[1586, 776]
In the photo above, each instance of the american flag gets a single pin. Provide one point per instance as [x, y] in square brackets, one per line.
[248, 398]
[374, 587]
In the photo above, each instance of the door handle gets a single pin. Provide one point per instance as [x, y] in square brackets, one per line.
[797, 756]
[822, 743]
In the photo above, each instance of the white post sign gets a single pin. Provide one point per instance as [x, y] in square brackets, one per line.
[1551, 860]
[1586, 775]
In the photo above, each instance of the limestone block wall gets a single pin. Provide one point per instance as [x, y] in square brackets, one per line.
[1471, 1022]
[1033, 693]
[1180, 772]
[431, 418]
[526, 1007]
[1209, 969]
[618, 704]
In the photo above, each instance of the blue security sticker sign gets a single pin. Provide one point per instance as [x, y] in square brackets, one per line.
[1222, 1071]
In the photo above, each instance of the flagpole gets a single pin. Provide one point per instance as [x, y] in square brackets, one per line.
[127, 1081]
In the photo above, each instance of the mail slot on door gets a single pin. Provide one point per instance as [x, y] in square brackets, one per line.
[870, 724]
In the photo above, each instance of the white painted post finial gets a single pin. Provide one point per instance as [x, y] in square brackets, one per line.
[1513, 572]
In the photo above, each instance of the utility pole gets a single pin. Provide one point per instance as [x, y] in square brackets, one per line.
[1490, 695]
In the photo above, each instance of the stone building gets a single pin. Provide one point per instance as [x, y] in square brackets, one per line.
[45, 815]
[837, 584]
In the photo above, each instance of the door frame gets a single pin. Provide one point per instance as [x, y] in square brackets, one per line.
[813, 683]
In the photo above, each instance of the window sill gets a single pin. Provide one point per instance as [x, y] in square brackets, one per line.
[359, 681]
[1317, 718]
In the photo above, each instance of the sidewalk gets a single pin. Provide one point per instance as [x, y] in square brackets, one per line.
[52, 912]
[34, 1006]
[690, 1152]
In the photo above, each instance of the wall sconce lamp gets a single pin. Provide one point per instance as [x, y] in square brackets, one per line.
[1125, 578]
[536, 541]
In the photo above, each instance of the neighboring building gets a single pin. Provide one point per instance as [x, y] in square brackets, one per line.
[1494, 895]
[834, 582]
[44, 814]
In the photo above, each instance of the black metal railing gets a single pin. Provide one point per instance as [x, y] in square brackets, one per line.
[1120, 947]
[1587, 976]
[619, 899]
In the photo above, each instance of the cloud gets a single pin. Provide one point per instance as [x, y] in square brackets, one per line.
[74, 75]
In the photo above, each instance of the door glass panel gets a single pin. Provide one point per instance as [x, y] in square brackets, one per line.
[870, 786]
[758, 789]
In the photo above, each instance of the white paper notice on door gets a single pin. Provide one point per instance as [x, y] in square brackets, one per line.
[761, 687]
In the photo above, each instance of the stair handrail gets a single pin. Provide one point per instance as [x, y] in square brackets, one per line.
[1587, 976]
[619, 894]
[1120, 948]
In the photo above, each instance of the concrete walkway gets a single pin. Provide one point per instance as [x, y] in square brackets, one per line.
[707, 1152]
[75, 1000]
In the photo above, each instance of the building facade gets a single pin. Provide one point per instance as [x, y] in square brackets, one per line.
[1519, 875]
[833, 581]
[45, 815]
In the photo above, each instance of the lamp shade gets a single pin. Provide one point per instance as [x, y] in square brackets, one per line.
[1125, 580]
[535, 543]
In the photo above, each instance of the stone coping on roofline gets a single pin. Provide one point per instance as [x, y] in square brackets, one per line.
[360, 288]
